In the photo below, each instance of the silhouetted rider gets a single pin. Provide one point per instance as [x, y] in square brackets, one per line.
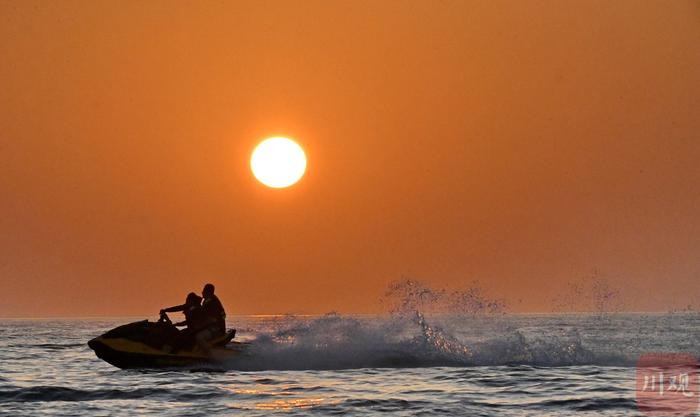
[213, 319]
[189, 309]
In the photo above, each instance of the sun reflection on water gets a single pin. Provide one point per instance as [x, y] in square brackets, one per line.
[290, 404]
[280, 398]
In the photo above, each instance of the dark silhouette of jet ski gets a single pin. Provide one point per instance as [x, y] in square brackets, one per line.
[147, 344]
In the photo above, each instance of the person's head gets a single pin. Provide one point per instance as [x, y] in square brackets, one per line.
[193, 299]
[208, 290]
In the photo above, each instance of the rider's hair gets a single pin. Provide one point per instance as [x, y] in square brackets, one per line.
[193, 298]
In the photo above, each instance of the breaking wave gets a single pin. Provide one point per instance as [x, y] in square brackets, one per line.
[426, 327]
[338, 342]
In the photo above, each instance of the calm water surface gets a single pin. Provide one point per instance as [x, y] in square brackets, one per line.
[510, 365]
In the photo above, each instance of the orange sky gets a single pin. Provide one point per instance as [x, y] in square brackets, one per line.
[523, 144]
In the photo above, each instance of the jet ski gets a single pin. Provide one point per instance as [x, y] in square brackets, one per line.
[147, 344]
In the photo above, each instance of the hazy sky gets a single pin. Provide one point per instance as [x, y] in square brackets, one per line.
[523, 144]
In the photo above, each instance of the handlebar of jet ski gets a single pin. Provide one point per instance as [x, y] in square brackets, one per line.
[164, 318]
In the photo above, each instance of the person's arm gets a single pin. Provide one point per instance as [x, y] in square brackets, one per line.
[213, 307]
[213, 311]
[209, 310]
[181, 323]
[174, 309]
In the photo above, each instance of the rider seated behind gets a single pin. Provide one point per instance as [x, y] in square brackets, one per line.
[213, 319]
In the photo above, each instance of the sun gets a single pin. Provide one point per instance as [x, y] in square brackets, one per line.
[278, 162]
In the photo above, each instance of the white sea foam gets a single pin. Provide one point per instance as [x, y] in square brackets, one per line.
[434, 327]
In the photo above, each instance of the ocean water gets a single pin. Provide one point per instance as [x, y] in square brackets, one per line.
[410, 364]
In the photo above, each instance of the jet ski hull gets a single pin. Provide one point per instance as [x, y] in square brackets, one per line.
[146, 345]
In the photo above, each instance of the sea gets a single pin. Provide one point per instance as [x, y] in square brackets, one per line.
[408, 364]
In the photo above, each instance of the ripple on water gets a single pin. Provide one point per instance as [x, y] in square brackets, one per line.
[47, 393]
[60, 376]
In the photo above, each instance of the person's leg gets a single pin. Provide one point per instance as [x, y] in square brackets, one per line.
[184, 340]
[203, 337]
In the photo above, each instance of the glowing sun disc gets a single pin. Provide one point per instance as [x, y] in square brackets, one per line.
[278, 162]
